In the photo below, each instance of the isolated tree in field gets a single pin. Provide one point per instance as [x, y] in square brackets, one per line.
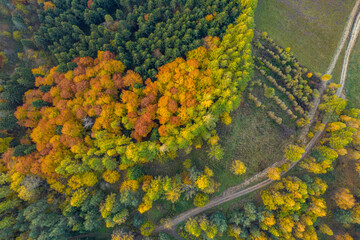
[238, 167]
[344, 199]
[293, 153]
[216, 152]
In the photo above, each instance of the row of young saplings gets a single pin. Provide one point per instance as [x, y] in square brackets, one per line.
[291, 97]
[285, 54]
[285, 59]
[297, 85]
[304, 114]
[296, 79]
[282, 57]
[270, 93]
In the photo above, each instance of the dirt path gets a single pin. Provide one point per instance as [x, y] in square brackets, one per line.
[225, 198]
[343, 38]
[352, 42]
[345, 35]
[351, 29]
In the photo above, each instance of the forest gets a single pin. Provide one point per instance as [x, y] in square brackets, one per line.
[124, 120]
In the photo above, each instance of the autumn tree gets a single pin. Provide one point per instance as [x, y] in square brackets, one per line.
[325, 229]
[344, 199]
[147, 228]
[332, 105]
[238, 167]
[296, 205]
[201, 199]
[293, 153]
[192, 227]
[90, 123]
[344, 236]
[274, 173]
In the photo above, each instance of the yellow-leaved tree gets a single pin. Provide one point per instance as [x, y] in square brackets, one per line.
[274, 173]
[238, 167]
[293, 153]
[344, 199]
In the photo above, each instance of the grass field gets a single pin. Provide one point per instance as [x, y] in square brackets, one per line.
[352, 86]
[311, 28]
[338, 67]
[252, 138]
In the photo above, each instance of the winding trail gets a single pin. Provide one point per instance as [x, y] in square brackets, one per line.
[345, 35]
[352, 42]
[352, 29]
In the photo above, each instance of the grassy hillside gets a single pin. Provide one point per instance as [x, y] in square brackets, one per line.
[252, 138]
[312, 28]
[352, 87]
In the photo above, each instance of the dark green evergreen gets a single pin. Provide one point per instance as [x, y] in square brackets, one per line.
[143, 34]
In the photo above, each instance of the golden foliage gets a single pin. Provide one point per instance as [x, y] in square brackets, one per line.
[344, 236]
[238, 167]
[49, 5]
[325, 77]
[111, 176]
[202, 182]
[274, 173]
[293, 153]
[325, 229]
[344, 199]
